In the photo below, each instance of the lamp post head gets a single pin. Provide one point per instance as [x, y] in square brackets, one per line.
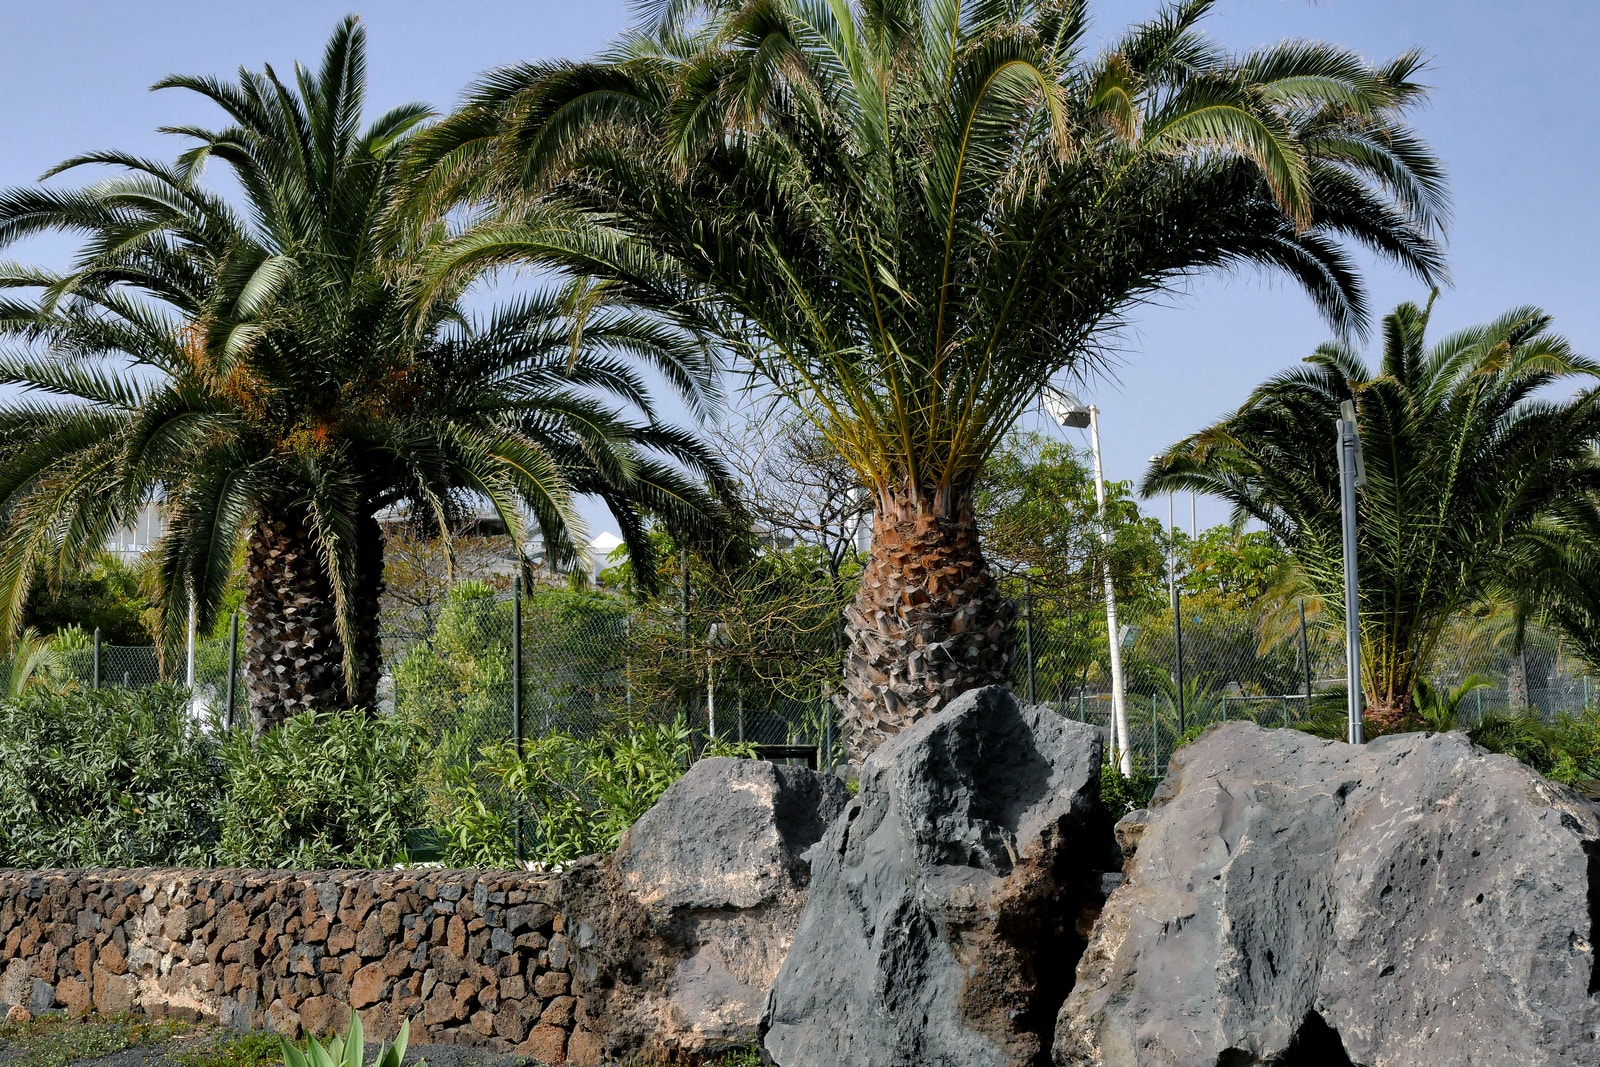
[1065, 408]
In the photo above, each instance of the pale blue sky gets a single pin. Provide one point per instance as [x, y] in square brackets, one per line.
[1512, 115]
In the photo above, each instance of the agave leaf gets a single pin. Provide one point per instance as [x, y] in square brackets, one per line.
[354, 1042]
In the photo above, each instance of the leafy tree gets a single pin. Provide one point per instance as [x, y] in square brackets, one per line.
[276, 372]
[1467, 455]
[907, 217]
[107, 595]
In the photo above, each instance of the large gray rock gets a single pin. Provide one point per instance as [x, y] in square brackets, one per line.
[945, 910]
[1408, 903]
[681, 931]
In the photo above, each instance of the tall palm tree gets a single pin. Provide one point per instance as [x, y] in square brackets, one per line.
[907, 217]
[277, 371]
[1469, 459]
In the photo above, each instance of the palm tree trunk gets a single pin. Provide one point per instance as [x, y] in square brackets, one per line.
[928, 622]
[294, 658]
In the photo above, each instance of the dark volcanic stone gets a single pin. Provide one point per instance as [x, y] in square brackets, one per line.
[680, 932]
[1412, 902]
[942, 924]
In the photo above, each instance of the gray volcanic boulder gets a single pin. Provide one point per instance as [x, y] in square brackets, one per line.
[949, 904]
[681, 930]
[1408, 903]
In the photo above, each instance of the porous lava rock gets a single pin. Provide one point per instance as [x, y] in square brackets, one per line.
[680, 932]
[949, 904]
[1292, 901]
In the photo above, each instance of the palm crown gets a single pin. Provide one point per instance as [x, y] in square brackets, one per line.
[909, 216]
[1470, 467]
[295, 376]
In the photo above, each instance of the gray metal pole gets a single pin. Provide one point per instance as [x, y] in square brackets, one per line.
[97, 657]
[1177, 615]
[1177, 650]
[516, 694]
[1349, 459]
[233, 663]
[1305, 653]
[1027, 631]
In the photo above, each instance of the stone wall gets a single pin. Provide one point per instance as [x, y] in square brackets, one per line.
[475, 958]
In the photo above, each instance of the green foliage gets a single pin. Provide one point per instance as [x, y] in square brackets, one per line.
[576, 796]
[234, 1050]
[349, 1050]
[1122, 793]
[1039, 515]
[290, 361]
[1565, 750]
[908, 217]
[1467, 475]
[106, 778]
[328, 789]
[55, 1039]
[1441, 709]
[106, 594]
[458, 684]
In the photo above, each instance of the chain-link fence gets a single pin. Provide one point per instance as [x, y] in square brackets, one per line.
[484, 672]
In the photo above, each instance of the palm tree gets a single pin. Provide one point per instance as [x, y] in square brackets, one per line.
[907, 217]
[1468, 460]
[275, 372]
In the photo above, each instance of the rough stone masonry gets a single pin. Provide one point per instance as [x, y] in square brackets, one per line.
[476, 958]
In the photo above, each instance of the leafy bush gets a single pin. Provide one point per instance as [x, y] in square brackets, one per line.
[1566, 750]
[328, 789]
[106, 778]
[576, 796]
[1122, 793]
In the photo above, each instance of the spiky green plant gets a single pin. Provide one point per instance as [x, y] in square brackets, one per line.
[273, 368]
[907, 217]
[1471, 445]
[349, 1050]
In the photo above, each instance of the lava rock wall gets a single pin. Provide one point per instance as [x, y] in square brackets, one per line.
[474, 958]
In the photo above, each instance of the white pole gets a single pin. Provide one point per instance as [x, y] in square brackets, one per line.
[711, 681]
[1121, 749]
[1349, 461]
[194, 697]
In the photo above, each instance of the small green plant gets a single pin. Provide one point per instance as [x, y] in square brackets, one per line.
[325, 789]
[54, 1039]
[349, 1050]
[234, 1050]
[1441, 709]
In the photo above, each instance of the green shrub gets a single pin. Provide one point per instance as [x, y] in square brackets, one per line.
[328, 789]
[1565, 750]
[576, 796]
[1122, 793]
[106, 778]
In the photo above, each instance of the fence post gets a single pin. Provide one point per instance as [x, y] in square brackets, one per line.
[97, 657]
[1177, 646]
[233, 663]
[1305, 654]
[1027, 631]
[827, 731]
[516, 696]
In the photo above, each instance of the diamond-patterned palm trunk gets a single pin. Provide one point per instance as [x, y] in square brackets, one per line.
[293, 656]
[928, 622]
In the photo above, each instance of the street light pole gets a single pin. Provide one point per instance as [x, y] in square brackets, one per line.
[1352, 474]
[1119, 707]
[1072, 413]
